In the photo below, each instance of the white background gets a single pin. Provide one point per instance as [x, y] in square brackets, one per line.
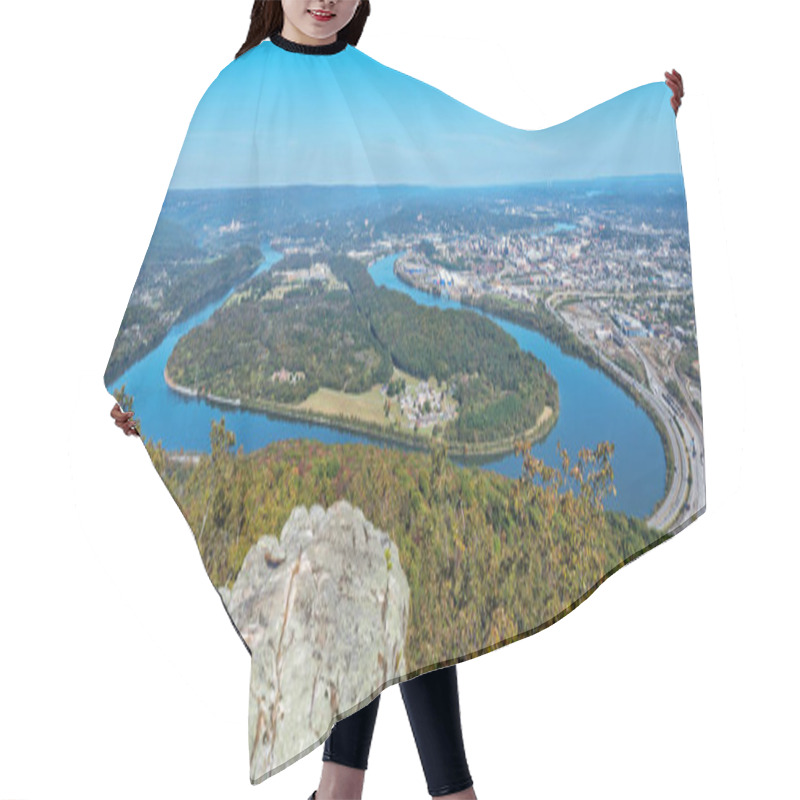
[120, 673]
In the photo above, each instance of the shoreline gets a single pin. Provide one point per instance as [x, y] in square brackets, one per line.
[544, 424]
[597, 361]
[187, 392]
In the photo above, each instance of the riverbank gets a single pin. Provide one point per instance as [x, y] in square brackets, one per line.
[566, 340]
[187, 392]
[544, 424]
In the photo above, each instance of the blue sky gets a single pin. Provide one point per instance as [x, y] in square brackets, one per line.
[276, 118]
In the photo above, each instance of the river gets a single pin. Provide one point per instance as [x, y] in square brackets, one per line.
[593, 407]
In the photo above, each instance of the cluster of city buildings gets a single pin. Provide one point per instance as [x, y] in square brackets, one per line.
[595, 255]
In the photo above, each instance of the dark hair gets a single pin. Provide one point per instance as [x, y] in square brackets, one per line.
[266, 18]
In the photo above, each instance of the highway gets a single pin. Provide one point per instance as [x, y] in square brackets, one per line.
[682, 503]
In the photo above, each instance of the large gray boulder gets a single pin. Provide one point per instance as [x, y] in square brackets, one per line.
[324, 611]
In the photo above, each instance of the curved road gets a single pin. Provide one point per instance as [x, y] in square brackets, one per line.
[682, 502]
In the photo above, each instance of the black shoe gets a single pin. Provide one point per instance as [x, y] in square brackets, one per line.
[313, 795]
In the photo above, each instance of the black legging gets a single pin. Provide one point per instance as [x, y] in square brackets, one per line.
[432, 706]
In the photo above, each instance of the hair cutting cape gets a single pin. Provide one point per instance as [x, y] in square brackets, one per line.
[419, 381]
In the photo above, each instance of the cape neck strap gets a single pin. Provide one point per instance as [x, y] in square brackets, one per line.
[311, 49]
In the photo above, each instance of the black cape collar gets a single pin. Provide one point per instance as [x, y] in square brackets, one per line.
[310, 49]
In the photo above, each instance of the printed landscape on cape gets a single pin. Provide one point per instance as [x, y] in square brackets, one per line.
[419, 381]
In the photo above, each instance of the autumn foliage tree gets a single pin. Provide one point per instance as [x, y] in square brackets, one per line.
[575, 556]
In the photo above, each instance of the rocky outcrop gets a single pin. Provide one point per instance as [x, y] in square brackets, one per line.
[324, 611]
